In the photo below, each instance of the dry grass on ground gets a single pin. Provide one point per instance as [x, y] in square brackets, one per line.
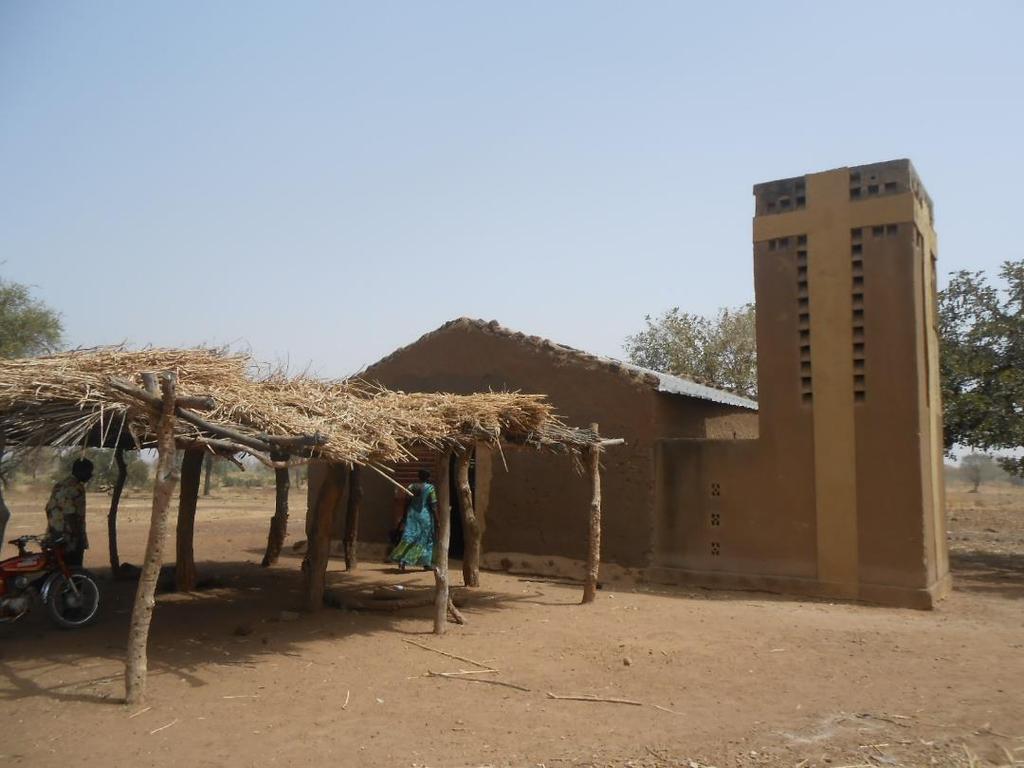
[724, 679]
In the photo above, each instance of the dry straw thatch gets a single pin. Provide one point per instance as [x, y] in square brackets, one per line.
[94, 397]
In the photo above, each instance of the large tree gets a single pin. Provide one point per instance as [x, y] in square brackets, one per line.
[982, 330]
[27, 326]
[719, 351]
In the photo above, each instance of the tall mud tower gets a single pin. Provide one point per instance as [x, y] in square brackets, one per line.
[850, 414]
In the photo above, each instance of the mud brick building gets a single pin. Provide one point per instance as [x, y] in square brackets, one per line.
[833, 487]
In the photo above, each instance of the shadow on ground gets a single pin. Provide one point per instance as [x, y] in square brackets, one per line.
[989, 573]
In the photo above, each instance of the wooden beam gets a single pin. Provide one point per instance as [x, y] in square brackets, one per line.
[115, 500]
[288, 442]
[163, 487]
[188, 498]
[594, 532]
[355, 499]
[314, 565]
[279, 522]
[444, 530]
[217, 430]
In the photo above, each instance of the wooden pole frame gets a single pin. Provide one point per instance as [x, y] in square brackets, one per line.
[594, 522]
[163, 487]
[5, 512]
[188, 499]
[352, 508]
[314, 565]
[472, 525]
[115, 501]
[444, 530]
[279, 522]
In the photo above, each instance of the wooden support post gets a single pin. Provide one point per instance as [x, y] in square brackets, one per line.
[472, 526]
[279, 522]
[207, 471]
[314, 566]
[594, 533]
[5, 512]
[115, 500]
[191, 475]
[355, 498]
[444, 530]
[163, 487]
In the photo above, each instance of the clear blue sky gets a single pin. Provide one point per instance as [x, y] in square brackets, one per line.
[324, 182]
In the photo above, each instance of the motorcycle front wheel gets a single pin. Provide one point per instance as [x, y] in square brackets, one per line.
[73, 608]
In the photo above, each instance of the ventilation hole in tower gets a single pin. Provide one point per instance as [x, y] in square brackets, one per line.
[716, 548]
[716, 489]
[716, 519]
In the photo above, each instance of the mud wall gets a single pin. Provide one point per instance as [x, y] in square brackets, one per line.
[540, 505]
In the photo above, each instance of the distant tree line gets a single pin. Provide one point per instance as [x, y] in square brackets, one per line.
[981, 330]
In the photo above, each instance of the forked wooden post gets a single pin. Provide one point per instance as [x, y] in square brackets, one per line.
[444, 530]
[471, 524]
[163, 487]
[355, 499]
[314, 566]
[185, 562]
[279, 522]
[115, 501]
[594, 533]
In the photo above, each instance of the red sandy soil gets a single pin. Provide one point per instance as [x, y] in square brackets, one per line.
[724, 678]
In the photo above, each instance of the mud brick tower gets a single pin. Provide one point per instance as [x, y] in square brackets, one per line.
[850, 415]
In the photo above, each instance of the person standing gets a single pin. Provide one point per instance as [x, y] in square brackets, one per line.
[416, 545]
[65, 512]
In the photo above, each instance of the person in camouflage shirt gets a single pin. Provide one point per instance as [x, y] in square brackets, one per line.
[65, 511]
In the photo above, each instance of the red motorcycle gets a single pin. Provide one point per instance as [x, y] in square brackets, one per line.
[71, 597]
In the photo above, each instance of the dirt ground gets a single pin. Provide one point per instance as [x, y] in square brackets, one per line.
[723, 678]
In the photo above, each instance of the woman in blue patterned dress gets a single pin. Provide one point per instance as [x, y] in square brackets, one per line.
[416, 546]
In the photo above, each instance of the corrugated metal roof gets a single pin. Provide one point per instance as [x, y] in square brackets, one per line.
[676, 385]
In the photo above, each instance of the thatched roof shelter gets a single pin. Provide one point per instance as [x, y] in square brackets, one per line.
[98, 397]
[209, 401]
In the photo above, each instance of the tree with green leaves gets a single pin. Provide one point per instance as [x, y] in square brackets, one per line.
[27, 326]
[981, 326]
[719, 351]
[978, 468]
